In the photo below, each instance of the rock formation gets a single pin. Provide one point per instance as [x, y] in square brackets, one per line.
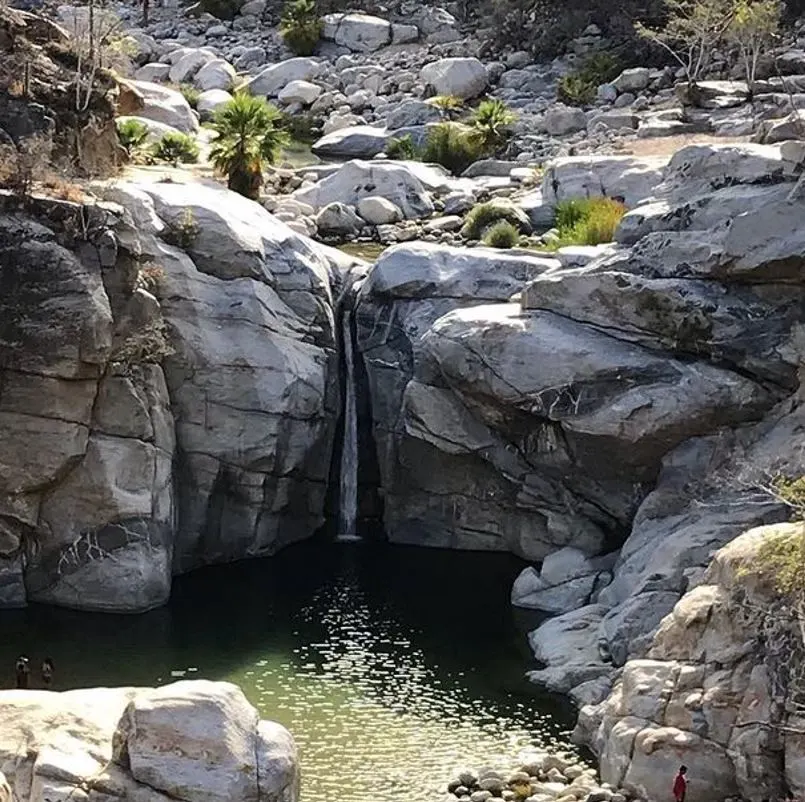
[639, 397]
[713, 692]
[194, 741]
[142, 437]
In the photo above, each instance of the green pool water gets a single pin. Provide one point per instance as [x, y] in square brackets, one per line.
[392, 666]
[370, 251]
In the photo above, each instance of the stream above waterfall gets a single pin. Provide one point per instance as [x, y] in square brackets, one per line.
[392, 666]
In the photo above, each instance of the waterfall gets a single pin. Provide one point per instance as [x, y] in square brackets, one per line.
[348, 479]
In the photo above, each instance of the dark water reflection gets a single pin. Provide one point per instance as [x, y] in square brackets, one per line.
[392, 666]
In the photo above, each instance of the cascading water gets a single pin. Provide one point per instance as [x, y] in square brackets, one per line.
[348, 480]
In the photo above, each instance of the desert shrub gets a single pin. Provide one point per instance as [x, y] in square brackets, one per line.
[182, 231]
[402, 148]
[148, 345]
[302, 127]
[248, 135]
[25, 164]
[492, 120]
[501, 235]
[579, 87]
[588, 221]
[452, 145]
[132, 134]
[449, 105]
[485, 215]
[176, 148]
[190, 94]
[151, 275]
[301, 26]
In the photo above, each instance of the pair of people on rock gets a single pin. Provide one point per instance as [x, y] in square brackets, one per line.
[22, 670]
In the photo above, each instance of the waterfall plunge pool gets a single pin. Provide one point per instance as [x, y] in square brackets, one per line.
[392, 666]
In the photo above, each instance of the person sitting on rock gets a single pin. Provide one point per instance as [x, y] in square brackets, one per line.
[47, 671]
[23, 671]
[681, 784]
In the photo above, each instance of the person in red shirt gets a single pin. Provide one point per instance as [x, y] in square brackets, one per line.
[681, 784]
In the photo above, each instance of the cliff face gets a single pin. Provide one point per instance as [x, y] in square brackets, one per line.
[142, 437]
[714, 692]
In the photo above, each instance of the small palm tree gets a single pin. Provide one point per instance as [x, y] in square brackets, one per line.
[491, 122]
[301, 27]
[247, 137]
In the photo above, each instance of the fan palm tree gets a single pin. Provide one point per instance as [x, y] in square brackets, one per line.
[491, 121]
[247, 137]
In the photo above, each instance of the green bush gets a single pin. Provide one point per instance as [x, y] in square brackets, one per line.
[248, 135]
[452, 145]
[449, 105]
[402, 148]
[578, 88]
[485, 215]
[501, 235]
[132, 134]
[301, 26]
[491, 120]
[175, 148]
[303, 127]
[587, 221]
[190, 94]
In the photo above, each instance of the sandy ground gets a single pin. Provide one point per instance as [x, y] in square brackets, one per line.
[668, 145]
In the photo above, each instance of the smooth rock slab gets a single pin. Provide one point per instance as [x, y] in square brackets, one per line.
[162, 104]
[302, 92]
[215, 74]
[461, 77]
[357, 180]
[273, 79]
[192, 741]
[361, 33]
[353, 142]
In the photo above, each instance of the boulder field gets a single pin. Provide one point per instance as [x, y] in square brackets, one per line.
[196, 741]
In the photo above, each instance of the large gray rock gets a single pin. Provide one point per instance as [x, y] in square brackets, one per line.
[338, 218]
[164, 105]
[565, 582]
[276, 77]
[629, 177]
[461, 77]
[635, 79]
[357, 180]
[153, 73]
[361, 33]
[560, 120]
[412, 112]
[254, 396]
[378, 211]
[739, 325]
[190, 740]
[210, 101]
[188, 64]
[352, 142]
[215, 74]
[302, 92]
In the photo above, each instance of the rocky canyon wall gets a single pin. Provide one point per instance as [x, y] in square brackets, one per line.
[632, 396]
[168, 392]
